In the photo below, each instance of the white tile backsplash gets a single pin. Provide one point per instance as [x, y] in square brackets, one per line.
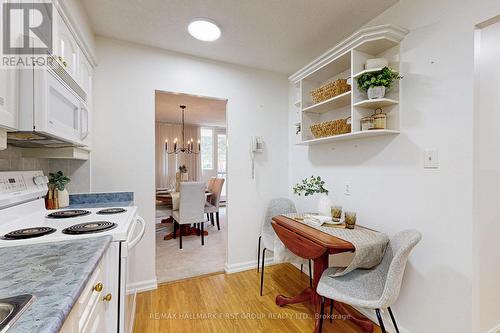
[79, 171]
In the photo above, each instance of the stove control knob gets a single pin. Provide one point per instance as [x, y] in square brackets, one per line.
[40, 180]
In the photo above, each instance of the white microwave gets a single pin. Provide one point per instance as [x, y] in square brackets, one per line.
[53, 109]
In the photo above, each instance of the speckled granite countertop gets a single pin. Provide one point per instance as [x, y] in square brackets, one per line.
[101, 200]
[55, 273]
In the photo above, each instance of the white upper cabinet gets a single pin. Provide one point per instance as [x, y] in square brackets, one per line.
[66, 47]
[85, 75]
[9, 83]
[9, 92]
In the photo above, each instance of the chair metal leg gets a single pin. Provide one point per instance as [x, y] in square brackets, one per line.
[380, 321]
[258, 254]
[212, 218]
[217, 217]
[262, 271]
[197, 226]
[301, 268]
[331, 310]
[208, 217]
[202, 234]
[393, 320]
[310, 274]
[175, 229]
[321, 313]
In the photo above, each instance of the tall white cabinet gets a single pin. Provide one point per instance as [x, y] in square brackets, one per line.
[346, 60]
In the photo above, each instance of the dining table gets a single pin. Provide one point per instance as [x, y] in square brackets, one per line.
[171, 198]
[310, 243]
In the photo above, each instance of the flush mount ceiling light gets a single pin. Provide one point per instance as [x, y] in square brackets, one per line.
[204, 29]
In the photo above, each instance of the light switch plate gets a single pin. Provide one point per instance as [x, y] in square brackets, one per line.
[431, 159]
[347, 189]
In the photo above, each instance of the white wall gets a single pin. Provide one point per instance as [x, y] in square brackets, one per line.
[123, 153]
[487, 176]
[390, 189]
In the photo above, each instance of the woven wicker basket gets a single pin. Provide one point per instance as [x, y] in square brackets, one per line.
[329, 90]
[331, 128]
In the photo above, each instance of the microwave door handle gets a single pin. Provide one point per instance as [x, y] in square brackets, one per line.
[131, 244]
[84, 134]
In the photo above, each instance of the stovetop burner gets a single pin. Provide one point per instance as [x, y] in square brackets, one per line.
[109, 211]
[89, 228]
[64, 214]
[29, 233]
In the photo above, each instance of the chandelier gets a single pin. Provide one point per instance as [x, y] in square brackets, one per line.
[184, 146]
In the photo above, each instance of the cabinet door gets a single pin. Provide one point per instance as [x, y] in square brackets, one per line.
[66, 47]
[9, 85]
[9, 90]
[85, 76]
[63, 111]
[111, 266]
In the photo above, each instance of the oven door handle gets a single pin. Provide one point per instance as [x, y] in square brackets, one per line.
[131, 244]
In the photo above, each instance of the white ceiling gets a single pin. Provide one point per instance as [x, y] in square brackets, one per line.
[200, 111]
[277, 35]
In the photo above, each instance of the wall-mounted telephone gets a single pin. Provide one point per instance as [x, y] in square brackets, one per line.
[257, 144]
[256, 147]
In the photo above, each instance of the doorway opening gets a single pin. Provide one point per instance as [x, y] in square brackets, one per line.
[191, 153]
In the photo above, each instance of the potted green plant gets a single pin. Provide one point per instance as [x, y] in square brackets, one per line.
[377, 83]
[58, 182]
[311, 186]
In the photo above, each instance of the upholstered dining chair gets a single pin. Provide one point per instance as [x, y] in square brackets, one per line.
[267, 236]
[191, 207]
[210, 188]
[213, 203]
[376, 288]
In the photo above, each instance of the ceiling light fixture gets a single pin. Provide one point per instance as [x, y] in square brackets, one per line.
[204, 30]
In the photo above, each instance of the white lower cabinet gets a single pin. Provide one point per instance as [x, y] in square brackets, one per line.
[96, 310]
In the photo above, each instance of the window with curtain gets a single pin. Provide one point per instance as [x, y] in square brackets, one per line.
[207, 148]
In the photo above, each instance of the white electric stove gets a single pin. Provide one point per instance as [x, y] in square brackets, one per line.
[24, 220]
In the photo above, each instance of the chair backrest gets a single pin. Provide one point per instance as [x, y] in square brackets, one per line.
[191, 202]
[394, 262]
[210, 184]
[276, 207]
[216, 191]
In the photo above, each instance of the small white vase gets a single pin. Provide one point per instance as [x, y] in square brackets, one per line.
[376, 92]
[63, 198]
[324, 204]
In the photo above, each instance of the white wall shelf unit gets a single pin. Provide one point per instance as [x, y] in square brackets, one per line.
[346, 60]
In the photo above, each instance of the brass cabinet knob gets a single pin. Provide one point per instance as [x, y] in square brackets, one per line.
[107, 298]
[98, 287]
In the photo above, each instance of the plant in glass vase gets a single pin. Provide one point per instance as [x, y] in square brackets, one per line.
[376, 83]
[311, 186]
[57, 184]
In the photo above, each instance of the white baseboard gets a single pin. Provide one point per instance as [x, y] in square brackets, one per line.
[495, 329]
[245, 266]
[141, 286]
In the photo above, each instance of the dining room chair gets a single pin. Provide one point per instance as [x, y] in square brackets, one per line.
[213, 203]
[191, 208]
[267, 236]
[376, 288]
[210, 188]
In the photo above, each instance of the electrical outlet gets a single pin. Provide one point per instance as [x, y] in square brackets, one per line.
[347, 189]
[431, 159]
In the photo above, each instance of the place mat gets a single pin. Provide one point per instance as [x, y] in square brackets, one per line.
[370, 245]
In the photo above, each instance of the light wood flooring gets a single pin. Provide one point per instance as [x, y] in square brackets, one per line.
[230, 303]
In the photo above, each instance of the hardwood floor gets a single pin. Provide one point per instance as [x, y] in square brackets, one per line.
[230, 303]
